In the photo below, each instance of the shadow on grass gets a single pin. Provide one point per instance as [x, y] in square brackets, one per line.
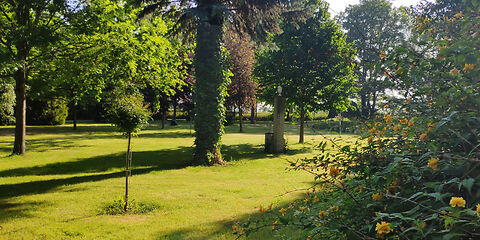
[224, 229]
[17, 210]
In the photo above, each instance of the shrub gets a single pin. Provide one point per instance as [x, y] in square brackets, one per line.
[50, 112]
[416, 173]
[7, 104]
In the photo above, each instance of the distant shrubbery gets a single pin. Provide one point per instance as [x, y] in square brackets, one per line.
[51, 112]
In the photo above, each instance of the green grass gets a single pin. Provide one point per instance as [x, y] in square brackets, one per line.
[59, 188]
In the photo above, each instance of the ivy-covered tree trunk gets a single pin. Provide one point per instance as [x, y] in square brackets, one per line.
[20, 112]
[209, 97]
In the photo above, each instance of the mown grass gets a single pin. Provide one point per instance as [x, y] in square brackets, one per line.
[59, 188]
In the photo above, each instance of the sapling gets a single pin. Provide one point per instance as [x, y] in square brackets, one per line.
[128, 112]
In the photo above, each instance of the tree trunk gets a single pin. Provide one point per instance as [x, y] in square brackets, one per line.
[374, 102]
[302, 125]
[75, 116]
[240, 116]
[174, 117]
[20, 112]
[253, 120]
[208, 93]
[164, 118]
[127, 171]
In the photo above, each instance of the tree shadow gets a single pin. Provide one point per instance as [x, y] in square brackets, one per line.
[157, 160]
[224, 228]
[17, 210]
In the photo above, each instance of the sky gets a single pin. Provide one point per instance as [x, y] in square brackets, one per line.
[337, 6]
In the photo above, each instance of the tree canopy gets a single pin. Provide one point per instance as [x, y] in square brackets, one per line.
[313, 64]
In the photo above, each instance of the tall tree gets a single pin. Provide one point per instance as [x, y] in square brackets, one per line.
[207, 18]
[27, 29]
[241, 90]
[375, 28]
[313, 65]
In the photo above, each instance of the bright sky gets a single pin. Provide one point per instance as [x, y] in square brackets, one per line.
[337, 6]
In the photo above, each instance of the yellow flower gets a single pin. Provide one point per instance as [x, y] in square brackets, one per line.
[334, 208]
[383, 55]
[478, 209]
[431, 124]
[306, 200]
[334, 171]
[303, 209]
[410, 123]
[433, 163]
[396, 128]
[386, 106]
[315, 199]
[442, 47]
[468, 67]
[275, 224]
[372, 131]
[426, 20]
[383, 228]
[420, 27]
[404, 121]
[454, 71]
[388, 119]
[377, 196]
[261, 209]
[282, 211]
[235, 227]
[457, 201]
[322, 214]
[370, 140]
[423, 137]
[458, 15]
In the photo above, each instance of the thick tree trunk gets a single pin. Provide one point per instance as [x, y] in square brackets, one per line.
[127, 171]
[253, 120]
[240, 116]
[208, 93]
[20, 112]
[302, 125]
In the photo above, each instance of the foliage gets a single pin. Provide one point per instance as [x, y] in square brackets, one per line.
[128, 112]
[375, 28]
[417, 175]
[49, 112]
[241, 90]
[7, 103]
[118, 207]
[312, 63]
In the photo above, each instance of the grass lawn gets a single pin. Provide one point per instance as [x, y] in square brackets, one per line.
[56, 191]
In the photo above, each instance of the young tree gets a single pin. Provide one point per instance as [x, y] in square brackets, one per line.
[129, 113]
[207, 17]
[241, 90]
[375, 28]
[313, 65]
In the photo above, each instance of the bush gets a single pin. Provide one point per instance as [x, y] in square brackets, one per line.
[51, 112]
[117, 207]
[416, 175]
[7, 104]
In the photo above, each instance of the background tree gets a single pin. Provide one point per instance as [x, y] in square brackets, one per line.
[207, 17]
[241, 90]
[375, 28]
[313, 65]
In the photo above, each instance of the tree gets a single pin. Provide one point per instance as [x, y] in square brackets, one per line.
[313, 65]
[129, 113]
[241, 90]
[375, 28]
[207, 19]
[27, 30]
